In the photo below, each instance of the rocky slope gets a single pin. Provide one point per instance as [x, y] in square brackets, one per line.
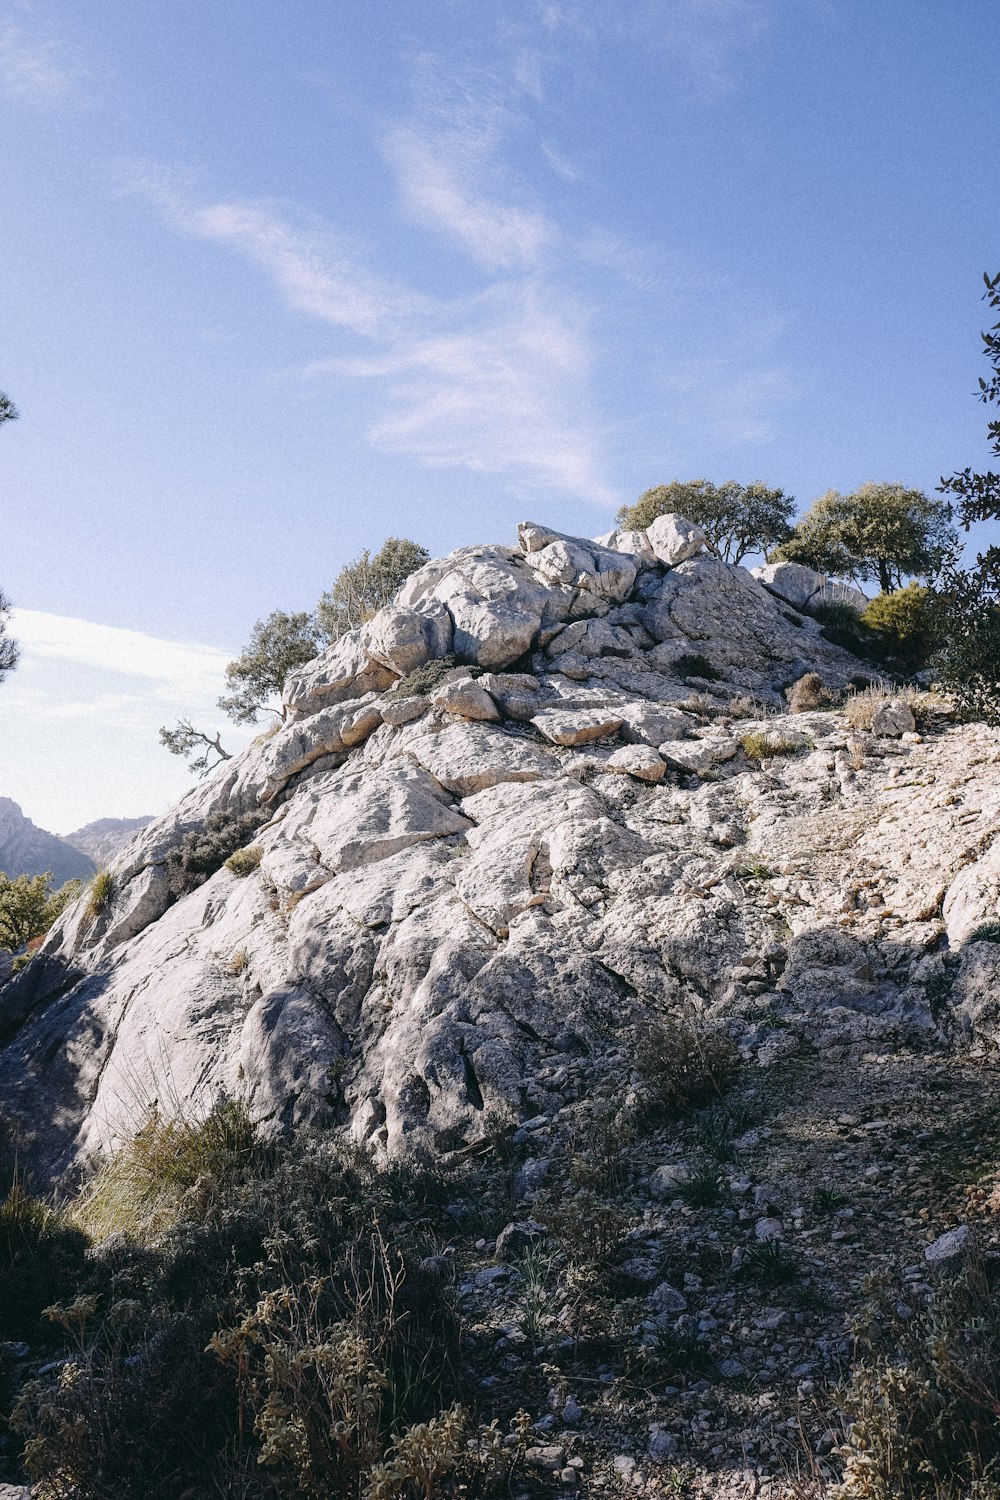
[28, 850]
[105, 838]
[549, 793]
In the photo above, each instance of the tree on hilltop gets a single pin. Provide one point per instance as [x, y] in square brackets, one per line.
[283, 642]
[883, 532]
[737, 518]
[969, 661]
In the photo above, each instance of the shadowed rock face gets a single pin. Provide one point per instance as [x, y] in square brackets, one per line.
[27, 850]
[475, 878]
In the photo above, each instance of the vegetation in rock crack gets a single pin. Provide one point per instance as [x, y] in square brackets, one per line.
[738, 519]
[29, 906]
[762, 745]
[100, 892]
[423, 680]
[204, 850]
[883, 532]
[986, 932]
[245, 861]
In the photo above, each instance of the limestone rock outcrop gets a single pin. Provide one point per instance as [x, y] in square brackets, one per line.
[527, 806]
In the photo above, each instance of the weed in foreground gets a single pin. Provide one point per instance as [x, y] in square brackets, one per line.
[682, 1069]
[759, 745]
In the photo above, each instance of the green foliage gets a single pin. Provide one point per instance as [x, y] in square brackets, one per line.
[907, 622]
[423, 680]
[8, 411]
[100, 893]
[923, 1402]
[206, 849]
[769, 1264]
[703, 1189]
[264, 1327]
[40, 1251]
[968, 663]
[184, 740]
[986, 932]
[142, 1190]
[881, 531]
[29, 906]
[683, 1068]
[245, 861]
[737, 518]
[277, 646]
[366, 585]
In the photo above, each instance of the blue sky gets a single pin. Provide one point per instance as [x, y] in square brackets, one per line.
[277, 281]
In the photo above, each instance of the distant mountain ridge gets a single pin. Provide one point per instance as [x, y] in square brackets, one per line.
[105, 838]
[28, 850]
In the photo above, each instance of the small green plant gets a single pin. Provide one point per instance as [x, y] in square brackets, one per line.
[760, 745]
[539, 1269]
[756, 869]
[769, 1264]
[245, 861]
[720, 1126]
[100, 893]
[825, 1201]
[692, 664]
[986, 932]
[423, 680]
[683, 1068]
[703, 1189]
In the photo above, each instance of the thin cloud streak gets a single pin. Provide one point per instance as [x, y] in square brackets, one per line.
[174, 668]
[38, 71]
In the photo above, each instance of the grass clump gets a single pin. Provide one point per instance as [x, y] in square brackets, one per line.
[206, 849]
[986, 932]
[100, 893]
[682, 1069]
[152, 1182]
[808, 693]
[703, 1189]
[245, 861]
[39, 1250]
[769, 1264]
[861, 707]
[761, 745]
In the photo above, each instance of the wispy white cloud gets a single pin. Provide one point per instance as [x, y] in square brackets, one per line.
[442, 165]
[38, 69]
[175, 669]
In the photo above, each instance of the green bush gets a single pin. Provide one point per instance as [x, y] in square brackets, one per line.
[423, 680]
[682, 1068]
[907, 622]
[206, 849]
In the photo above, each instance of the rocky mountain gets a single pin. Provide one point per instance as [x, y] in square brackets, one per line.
[550, 793]
[28, 850]
[103, 840]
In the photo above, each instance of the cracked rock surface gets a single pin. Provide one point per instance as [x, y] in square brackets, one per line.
[469, 883]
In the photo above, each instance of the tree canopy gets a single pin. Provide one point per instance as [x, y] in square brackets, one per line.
[969, 661]
[284, 641]
[883, 532]
[737, 518]
[29, 906]
[277, 646]
[364, 586]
